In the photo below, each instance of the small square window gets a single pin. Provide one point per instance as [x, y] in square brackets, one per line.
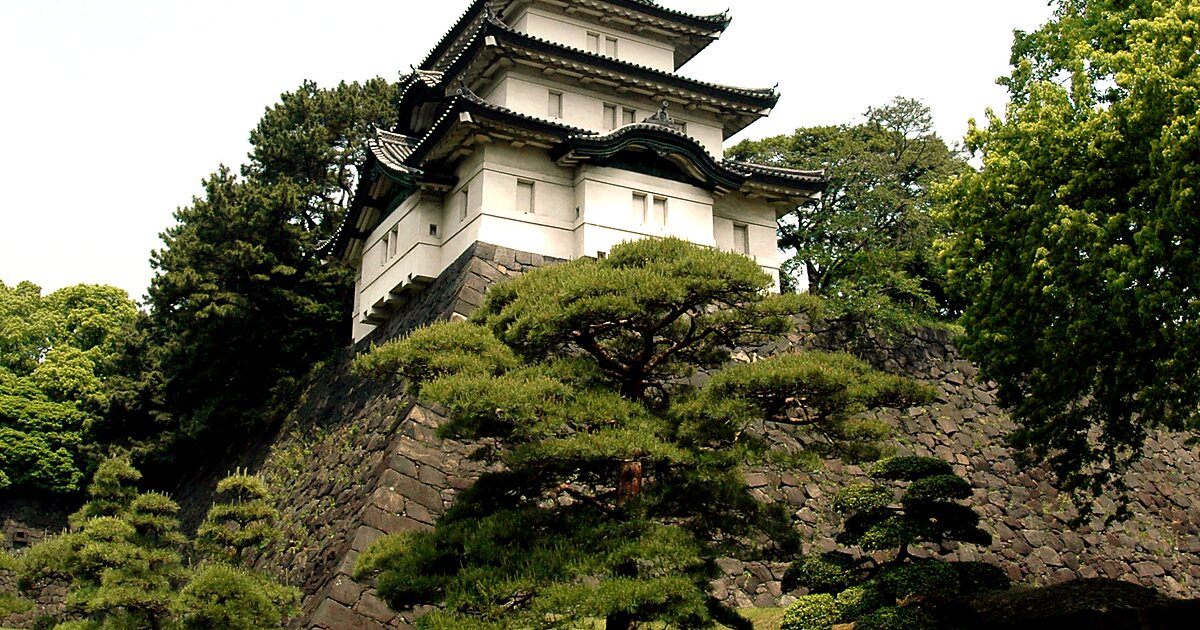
[433, 229]
[610, 46]
[628, 116]
[555, 104]
[593, 42]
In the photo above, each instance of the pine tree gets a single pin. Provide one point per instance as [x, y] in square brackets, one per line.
[874, 586]
[616, 482]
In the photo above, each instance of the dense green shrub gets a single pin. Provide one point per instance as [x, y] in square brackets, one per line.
[811, 612]
[895, 618]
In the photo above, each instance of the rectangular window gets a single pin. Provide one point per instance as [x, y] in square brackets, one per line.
[383, 249]
[610, 117]
[464, 201]
[639, 208]
[610, 46]
[628, 116]
[660, 212]
[741, 239]
[593, 42]
[556, 104]
[525, 196]
[682, 126]
[433, 229]
[395, 242]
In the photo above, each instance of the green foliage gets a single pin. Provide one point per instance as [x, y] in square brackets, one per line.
[881, 518]
[58, 354]
[831, 572]
[811, 612]
[241, 520]
[1078, 238]
[919, 578]
[220, 596]
[241, 304]
[896, 618]
[867, 243]
[10, 602]
[614, 485]
[439, 349]
[645, 314]
[122, 560]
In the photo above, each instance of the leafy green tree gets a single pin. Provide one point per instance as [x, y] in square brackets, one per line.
[867, 242]
[873, 590]
[1078, 238]
[241, 304]
[615, 482]
[122, 560]
[58, 356]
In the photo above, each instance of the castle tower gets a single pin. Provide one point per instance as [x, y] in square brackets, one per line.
[559, 128]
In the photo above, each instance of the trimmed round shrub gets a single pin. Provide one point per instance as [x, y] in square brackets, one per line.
[910, 468]
[826, 573]
[895, 618]
[810, 612]
[857, 601]
[923, 577]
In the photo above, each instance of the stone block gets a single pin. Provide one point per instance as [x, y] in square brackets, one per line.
[371, 606]
[364, 536]
[331, 615]
[345, 591]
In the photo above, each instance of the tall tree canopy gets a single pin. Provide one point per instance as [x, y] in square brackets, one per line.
[241, 304]
[868, 240]
[58, 356]
[616, 484]
[1079, 240]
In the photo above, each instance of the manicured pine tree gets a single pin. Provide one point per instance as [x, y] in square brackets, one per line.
[615, 482]
[881, 584]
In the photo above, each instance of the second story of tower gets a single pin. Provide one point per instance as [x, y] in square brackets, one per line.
[591, 64]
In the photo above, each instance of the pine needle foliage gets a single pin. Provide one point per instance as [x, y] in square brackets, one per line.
[123, 562]
[919, 506]
[615, 482]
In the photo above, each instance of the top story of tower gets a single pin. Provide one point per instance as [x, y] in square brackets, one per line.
[665, 39]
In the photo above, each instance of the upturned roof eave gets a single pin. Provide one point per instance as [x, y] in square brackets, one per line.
[713, 24]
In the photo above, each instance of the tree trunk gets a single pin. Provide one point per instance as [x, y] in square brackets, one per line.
[629, 481]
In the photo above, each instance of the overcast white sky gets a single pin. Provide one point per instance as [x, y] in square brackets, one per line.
[112, 112]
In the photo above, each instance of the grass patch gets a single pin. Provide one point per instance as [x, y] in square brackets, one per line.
[763, 618]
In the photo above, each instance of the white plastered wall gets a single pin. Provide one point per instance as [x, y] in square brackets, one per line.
[530, 94]
[573, 32]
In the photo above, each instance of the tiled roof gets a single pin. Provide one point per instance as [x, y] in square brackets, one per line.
[749, 168]
[753, 98]
[765, 94]
[392, 149]
[715, 23]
